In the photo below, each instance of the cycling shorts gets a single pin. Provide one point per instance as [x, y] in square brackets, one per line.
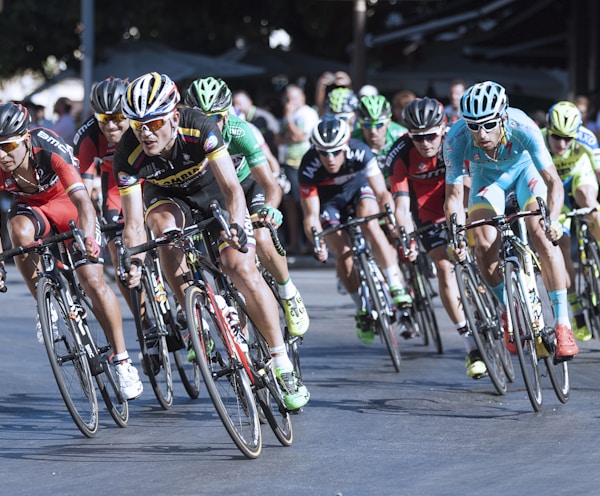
[338, 208]
[489, 188]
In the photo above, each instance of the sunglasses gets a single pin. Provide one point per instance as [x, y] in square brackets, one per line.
[419, 138]
[9, 146]
[106, 118]
[557, 137]
[371, 124]
[325, 153]
[151, 126]
[488, 126]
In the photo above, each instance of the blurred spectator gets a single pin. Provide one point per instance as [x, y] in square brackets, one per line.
[38, 117]
[64, 126]
[293, 141]
[539, 117]
[457, 89]
[264, 120]
[582, 102]
[399, 100]
[326, 82]
[368, 90]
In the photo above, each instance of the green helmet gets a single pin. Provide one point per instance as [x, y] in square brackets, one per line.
[341, 101]
[374, 108]
[210, 95]
[564, 119]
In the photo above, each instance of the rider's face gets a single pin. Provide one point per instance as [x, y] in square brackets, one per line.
[487, 135]
[156, 136]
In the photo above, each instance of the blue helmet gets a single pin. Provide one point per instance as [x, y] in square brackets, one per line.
[483, 101]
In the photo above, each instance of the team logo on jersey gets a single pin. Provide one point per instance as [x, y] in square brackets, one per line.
[211, 142]
[476, 157]
[125, 179]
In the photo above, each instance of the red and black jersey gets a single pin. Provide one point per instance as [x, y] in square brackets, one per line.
[422, 179]
[53, 166]
[91, 148]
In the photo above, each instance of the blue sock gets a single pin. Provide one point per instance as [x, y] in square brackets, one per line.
[499, 292]
[560, 305]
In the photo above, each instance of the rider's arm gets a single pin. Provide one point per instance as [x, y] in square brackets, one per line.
[555, 197]
[224, 172]
[454, 203]
[263, 175]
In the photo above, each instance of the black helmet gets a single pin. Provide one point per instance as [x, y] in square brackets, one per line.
[423, 113]
[331, 134]
[14, 120]
[105, 97]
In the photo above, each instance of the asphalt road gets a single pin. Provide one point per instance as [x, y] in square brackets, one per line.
[428, 430]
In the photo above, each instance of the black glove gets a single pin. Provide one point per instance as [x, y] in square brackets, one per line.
[241, 234]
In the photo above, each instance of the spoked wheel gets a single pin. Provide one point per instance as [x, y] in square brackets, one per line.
[381, 304]
[425, 312]
[557, 371]
[268, 392]
[67, 358]
[156, 362]
[226, 380]
[108, 385]
[483, 324]
[523, 338]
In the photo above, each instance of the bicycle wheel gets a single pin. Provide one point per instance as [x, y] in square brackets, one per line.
[156, 362]
[268, 393]
[179, 343]
[117, 406]
[481, 324]
[557, 371]
[67, 357]
[380, 303]
[589, 285]
[496, 332]
[226, 380]
[523, 336]
[424, 310]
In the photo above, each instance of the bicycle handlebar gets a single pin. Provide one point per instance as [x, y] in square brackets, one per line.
[40, 244]
[349, 223]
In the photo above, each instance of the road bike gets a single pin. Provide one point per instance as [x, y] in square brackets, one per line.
[528, 307]
[483, 321]
[77, 349]
[229, 350]
[152, 304]
[373, 289]
[421, 291]
[587, 270]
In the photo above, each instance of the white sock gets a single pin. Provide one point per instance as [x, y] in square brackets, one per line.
[119, 357]
[356, 299]
[280, 358]
[392, 276]
[287, 289]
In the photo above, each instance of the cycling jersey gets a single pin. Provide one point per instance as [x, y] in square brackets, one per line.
[197, 140]
[314, 179]
[521, 154]
[421, 179]
[53, 166]
[589, 140]
[93, 150]
[243, 146]
[393, 132]
[575, 169]
[57, 177]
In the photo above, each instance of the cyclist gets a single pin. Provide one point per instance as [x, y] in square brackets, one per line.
[339, 176]
[376, 127]
[37, 167]
[213, 98]
[417, 181]
[504, 150]
[180, 155]
[342, 102]
[575, 167]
